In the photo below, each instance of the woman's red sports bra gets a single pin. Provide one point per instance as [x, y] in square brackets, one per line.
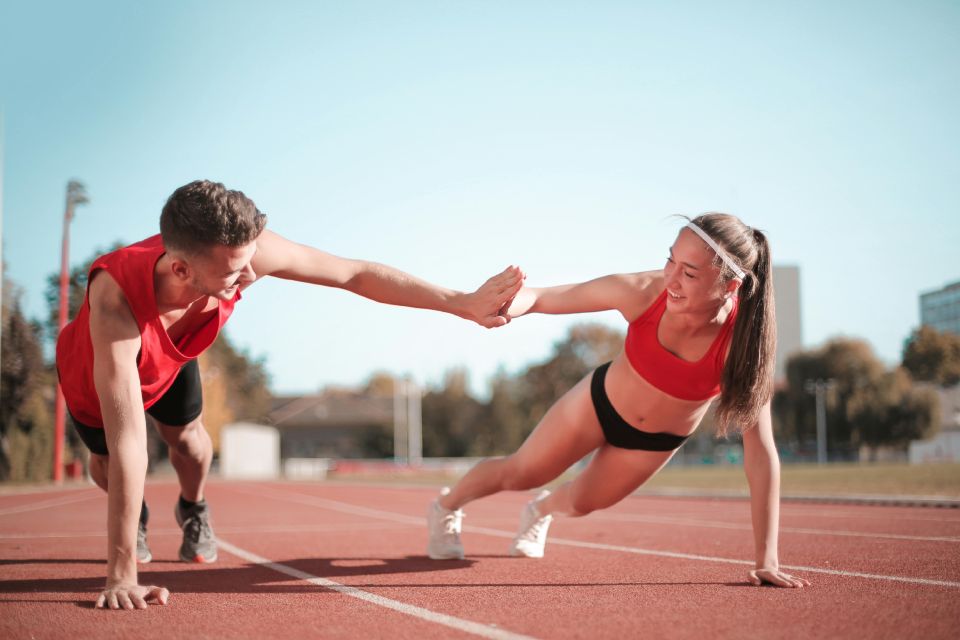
[669, 373]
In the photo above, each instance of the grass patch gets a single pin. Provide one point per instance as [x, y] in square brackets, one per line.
[941, 480]
[838, 479]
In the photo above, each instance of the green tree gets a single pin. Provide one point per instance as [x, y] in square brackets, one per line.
[585, 347]
[247, 379]
[893, 412]
[502, 424]
[852, 365]
[518, 403]
[26, 396]
[933, 356]
[867, 406]
[450, 416]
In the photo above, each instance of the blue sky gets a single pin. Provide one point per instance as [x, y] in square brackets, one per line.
[451, 139]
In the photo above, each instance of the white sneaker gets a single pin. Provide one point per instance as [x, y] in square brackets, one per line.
[444, 528]
[532, 536]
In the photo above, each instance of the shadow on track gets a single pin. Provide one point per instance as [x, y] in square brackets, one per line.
[259, 579]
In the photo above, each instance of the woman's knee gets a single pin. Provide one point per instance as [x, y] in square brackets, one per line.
[586, 502]
[518, 476]
[580, 507]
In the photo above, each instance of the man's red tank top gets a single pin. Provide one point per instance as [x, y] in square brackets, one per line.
[159, 359]
[669, 373]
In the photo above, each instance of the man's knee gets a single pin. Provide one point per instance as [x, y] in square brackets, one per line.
[186, 439]
[99, 466]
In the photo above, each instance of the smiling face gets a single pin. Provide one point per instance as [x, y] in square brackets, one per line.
[692, 278]
[219, 271]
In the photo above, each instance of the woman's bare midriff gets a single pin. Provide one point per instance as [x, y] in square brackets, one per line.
[647, 408]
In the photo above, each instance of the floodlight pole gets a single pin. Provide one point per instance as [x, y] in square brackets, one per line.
[414, 424]
[819, 389]
[76, 195]
[399, 420]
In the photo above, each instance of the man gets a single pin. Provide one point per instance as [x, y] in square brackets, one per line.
[151, 309]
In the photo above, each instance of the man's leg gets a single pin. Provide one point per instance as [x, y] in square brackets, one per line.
[178, 418]
[191, 452]
[98, 469]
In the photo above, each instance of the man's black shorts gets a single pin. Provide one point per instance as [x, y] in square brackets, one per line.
[180, 405]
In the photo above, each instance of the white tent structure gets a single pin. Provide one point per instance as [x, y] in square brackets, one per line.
[249, 451]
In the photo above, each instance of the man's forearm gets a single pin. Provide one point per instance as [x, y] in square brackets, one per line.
[385, 284]
[125, 430]
[127, 469]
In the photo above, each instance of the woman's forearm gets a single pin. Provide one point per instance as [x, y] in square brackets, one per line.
[763, 476]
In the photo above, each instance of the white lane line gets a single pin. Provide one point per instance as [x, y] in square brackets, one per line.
[337, 528]
[747, 527]
[499, 533]
[468, 626]
[691, 556]
[46, 504]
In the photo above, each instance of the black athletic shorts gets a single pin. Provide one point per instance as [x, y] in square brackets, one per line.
[617, 431]
[179, 406]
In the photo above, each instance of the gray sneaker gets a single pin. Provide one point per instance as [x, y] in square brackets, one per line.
[143, 551]
[199, 543]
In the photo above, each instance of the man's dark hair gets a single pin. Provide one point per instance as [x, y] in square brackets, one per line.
[203, 214]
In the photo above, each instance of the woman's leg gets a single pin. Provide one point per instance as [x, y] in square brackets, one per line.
[611, 476]
[568, 431]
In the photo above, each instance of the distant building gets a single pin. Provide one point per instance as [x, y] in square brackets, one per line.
[786, 284]
[940, 309]
[332, 424]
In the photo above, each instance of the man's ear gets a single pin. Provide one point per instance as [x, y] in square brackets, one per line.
[180, 267]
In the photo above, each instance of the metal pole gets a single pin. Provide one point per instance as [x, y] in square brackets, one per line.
[399, 422]
[75, 195]
[414, 424]
[60, 413]
[821, 387]
[1, 219]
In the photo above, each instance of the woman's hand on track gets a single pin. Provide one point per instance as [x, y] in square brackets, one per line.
[131, 596]
[777, 578]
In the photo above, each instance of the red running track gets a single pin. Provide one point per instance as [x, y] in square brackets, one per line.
[328, 560]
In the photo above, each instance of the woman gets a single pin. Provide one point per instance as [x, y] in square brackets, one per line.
[702, 327]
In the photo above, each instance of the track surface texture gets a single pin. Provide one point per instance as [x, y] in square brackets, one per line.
[326, 560]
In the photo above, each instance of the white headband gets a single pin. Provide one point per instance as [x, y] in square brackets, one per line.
[720, 252]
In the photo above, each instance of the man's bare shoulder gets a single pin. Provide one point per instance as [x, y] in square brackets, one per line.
[105, 293]
[108, 303]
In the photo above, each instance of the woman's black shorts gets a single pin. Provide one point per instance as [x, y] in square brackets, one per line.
[618, 431]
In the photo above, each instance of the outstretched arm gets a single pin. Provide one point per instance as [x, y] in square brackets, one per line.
[629, 293]
[116, 343]
[279, 257]
[762, 466]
